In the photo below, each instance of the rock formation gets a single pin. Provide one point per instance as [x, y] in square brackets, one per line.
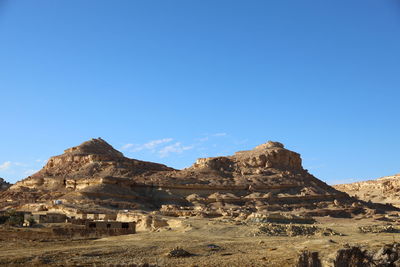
[95, 177]
[4, 185]
[86, 162]
[355, 256]
[382, 190]
[308, 259]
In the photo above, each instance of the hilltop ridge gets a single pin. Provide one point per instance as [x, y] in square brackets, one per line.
[94, 175]
[381, 190]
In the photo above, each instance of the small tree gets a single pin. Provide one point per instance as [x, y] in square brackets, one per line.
[15, 218]
[3, 219]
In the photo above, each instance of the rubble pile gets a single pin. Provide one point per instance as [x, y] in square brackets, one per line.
[179, 253]
[378, 229]
[388, 255]
[271, 229]
[355, 256]
[279, 218]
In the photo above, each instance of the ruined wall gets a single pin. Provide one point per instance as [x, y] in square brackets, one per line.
[84, 233]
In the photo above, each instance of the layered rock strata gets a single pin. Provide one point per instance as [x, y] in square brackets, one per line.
[382, 190]
[94, 176]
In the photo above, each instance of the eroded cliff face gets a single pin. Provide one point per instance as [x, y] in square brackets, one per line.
[95, 175]
[85, 165]
[382, 190]
[256, 161]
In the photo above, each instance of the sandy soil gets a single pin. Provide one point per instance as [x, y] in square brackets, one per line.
[237, 245]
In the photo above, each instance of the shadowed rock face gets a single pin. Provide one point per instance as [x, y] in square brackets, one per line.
[308, 259]
[4, 185]
[94, 174]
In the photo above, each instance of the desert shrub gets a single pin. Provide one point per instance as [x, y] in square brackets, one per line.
[31, 221]
[15, 218]
[3, 219]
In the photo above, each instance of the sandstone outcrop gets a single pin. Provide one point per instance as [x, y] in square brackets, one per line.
[308, 259]
[95, 177]
[355, 256]
[79, 165]
[382, 190]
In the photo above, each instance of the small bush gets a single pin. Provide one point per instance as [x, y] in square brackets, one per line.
[31, 221]
[15, 218]
[3, 219]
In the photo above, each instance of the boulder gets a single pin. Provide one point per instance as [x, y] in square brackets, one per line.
[308, 259]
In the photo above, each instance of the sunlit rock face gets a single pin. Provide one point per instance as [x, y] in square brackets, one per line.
[382, 190]
[271, 155]
[94, 175]
[92, 159]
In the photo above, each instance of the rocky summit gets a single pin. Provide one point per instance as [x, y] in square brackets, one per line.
[95, 176]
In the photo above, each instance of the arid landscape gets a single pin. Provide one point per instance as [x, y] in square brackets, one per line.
[177, 133]
[93, 206]
[212, 242]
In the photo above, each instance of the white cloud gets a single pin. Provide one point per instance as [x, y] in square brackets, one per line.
[220, 134]
[175, 148]
[203, 139]
[146, 146]
[5, 165]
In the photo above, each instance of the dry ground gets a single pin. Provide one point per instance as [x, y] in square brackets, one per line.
[238, 246]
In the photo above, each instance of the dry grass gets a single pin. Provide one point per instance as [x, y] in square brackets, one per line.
[237, 246]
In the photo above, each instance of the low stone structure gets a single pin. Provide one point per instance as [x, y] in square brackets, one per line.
[94, 229]
[126, 227]
[46, 217]
[96, 216]
[144, 221]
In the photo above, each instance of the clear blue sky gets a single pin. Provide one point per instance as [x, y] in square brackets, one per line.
[171, 81]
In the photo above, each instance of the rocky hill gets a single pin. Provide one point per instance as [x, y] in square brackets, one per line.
[94, 176]
[4, 185]
[91, 160]
[382, 190]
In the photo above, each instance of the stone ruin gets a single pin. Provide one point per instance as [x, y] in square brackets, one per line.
[271, 229]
